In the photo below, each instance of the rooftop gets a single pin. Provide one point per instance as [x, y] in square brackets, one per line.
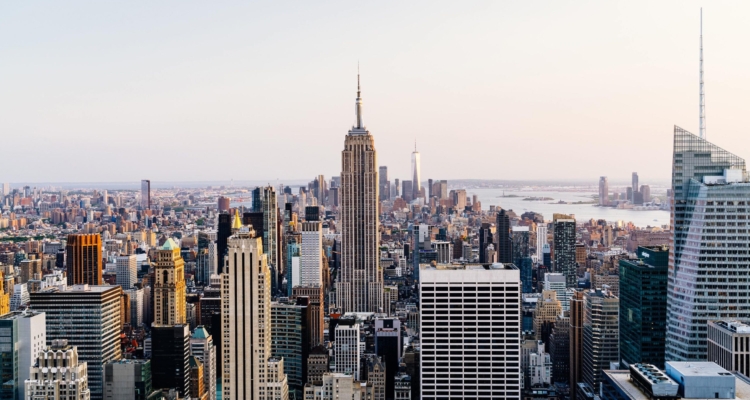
[733, 326]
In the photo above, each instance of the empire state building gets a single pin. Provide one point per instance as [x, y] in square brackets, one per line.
[360, 285]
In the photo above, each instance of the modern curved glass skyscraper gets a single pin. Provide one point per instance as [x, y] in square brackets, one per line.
[709, 258]
[360, 284]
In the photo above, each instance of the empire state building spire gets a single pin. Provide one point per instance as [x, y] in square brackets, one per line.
[358, 110]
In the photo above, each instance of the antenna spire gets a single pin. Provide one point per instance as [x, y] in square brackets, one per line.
[359, 102]
[702, 94]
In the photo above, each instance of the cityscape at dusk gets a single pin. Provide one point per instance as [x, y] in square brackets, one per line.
[393, 201]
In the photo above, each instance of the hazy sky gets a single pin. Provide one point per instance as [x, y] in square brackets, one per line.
[182, 91]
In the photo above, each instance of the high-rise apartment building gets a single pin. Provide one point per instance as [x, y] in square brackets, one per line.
[600, 335]
[360, 285]
[416, 174]
[59, 374]
[559, 349]
[710, 192]
[84, 259]
[643, 306]
[564, 248]
[311, 255]
[127, 271]
[484, 360]
[145, 194]
[169, 286]
[634, 187]
[249, 371]
[603, 191]
[94, 310]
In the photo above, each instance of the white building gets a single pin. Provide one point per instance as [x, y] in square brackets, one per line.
[248, 372]
[127, 271]
[22, 338]
[556, 281]
[470, 295]
[335, 386]
[541, 240]
[540, 366]
[346, 350]
[20, 296]
[311, 256]
[58, 375]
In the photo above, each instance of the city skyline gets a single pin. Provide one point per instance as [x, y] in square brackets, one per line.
[76, 108]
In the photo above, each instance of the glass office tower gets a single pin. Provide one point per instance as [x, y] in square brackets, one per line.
[643, 306]
[709, 267]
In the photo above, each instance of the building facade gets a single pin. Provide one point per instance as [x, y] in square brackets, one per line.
[84, 259]
[169, 285]
[58, 374]
[643, 306]
[484, 360]
[729, 345]
[564, 249]
[94, 310]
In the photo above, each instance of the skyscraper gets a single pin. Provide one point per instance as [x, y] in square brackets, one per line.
[127, 271]
[202, 347]
[541, 240]
[311, 255]
[170, 357]
[576, 342]
[145, 194]
[360, 286]
[94, 310]
[603, 191]
[600, 335]
[249, 371]
[385, 184]
[264, 200]
[564, 248]
[416, 174]
[485, 367]
[643, 306]
[169, 286]
[84, 259]
[504, 241]
[709, 207]
[634, 187]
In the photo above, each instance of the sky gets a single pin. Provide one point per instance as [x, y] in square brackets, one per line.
[119, 91]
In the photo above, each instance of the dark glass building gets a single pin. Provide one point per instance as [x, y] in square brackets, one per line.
[170, 356]
[504, 243]
[643, 306]
[388, 348]
[223, 233]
